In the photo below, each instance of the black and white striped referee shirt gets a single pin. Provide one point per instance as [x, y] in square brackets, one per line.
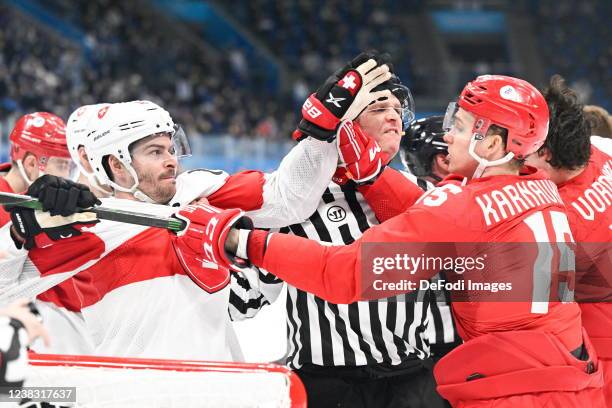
[388, 331]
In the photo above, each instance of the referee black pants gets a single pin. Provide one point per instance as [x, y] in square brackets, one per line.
[368, 387]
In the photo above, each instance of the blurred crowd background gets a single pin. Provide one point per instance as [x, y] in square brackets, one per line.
[234, 74]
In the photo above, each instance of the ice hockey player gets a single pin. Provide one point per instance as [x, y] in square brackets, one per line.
[38, 146]
[530, 353]
[581, 166]
[423, 150]
[67, 327]
[77, 127]
[139, 162]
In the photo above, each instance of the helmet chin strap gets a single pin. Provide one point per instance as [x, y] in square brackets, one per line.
[138, 194]
[24, 174]
[94, 183]
[482, 162]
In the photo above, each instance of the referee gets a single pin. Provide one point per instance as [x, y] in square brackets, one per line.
[365, 354]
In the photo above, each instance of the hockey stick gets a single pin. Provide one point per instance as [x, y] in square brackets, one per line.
[130, 217]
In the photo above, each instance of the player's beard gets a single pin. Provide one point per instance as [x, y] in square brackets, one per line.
[159, 190]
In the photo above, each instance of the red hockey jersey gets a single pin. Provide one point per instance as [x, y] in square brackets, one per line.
[497, 209]
[588, 197]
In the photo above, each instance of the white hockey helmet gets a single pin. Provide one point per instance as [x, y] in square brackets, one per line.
[116, 126]
[77, 128]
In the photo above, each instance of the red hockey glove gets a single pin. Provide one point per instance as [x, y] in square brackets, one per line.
[343, 96]
[200, 246]
[360, 153]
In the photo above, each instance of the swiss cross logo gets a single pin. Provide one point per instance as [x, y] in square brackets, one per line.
[348, 81]
[102, 112]
[311, 110]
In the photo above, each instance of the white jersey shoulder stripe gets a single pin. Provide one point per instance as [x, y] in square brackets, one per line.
[194, 184]
[602, 143]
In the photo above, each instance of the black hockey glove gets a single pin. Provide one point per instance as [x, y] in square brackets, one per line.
[60, 199]
[60, 196]
[343, 96]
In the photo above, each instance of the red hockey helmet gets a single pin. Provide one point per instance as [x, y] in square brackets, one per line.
[511, 103]
[42, 134]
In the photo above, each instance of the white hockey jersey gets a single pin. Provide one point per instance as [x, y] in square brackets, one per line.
[131, 296]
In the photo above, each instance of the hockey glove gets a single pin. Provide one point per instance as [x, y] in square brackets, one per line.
[60, 199]
[343, 96]
[200, 246]
[28, 317]
[60, 196]
[361, 155]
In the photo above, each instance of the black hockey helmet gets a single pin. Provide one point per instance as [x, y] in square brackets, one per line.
[422, 141]
[403, 94]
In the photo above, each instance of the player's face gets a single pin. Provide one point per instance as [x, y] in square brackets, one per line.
[60, 167]
[156, 166]
[458, 139]
[539, 161]
[383, 121]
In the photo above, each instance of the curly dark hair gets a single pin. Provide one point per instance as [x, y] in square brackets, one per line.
[569, 130]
